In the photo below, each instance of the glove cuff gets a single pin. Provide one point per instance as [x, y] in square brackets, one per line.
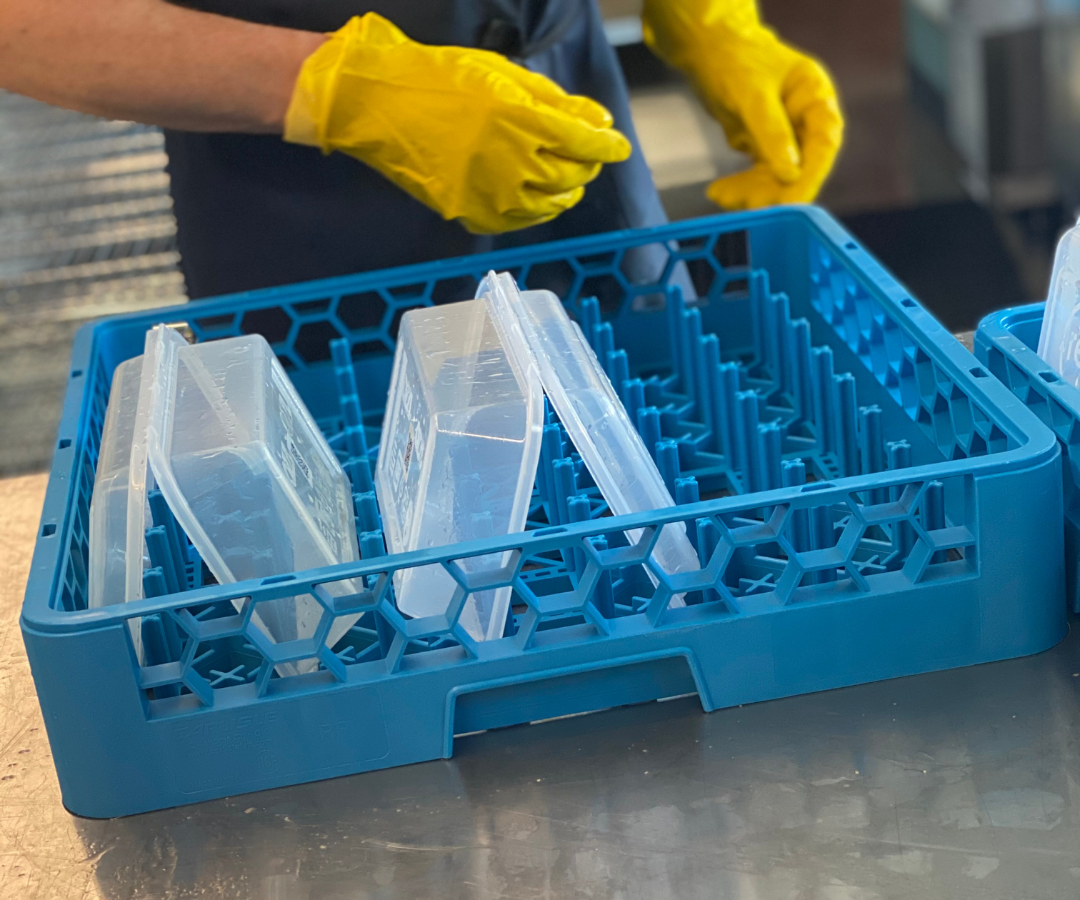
[302, 117]
[309, 107]
[736, 17]
[690, 33]
[312, 102]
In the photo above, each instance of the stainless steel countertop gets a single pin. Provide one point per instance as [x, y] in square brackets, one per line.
[959, 784]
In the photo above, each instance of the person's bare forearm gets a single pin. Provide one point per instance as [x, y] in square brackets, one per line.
[149, 61]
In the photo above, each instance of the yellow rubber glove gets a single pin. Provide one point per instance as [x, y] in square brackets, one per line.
[775, 103]
[466, 132]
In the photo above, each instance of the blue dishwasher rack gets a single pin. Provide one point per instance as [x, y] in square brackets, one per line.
[1006, 342]
[865, 500]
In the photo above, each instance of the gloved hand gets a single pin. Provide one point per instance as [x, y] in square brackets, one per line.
[466, 132]
[775, 103]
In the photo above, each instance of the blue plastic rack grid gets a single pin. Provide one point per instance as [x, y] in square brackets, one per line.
[1005, 342]
[865, 502]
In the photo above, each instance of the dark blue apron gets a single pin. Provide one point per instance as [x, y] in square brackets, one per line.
[253, 211]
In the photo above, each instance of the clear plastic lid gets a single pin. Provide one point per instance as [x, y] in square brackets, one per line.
[457, 461]
[536, 325]
[120, 490]
[1059, 339]
[247, 473]
[109, 503]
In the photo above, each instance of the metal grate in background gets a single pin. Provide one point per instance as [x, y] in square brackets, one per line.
[86, 230]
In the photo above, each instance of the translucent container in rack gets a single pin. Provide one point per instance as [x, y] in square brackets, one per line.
[120, 498]
[1059, 338]
[248, 474]
[536, 326]
[109, 505]
[457, 461]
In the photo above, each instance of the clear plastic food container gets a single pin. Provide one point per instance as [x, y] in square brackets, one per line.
[535, 324]
[109, 504]
[120, 491]
[457, 462]
[1059, 339]
[247, 473]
